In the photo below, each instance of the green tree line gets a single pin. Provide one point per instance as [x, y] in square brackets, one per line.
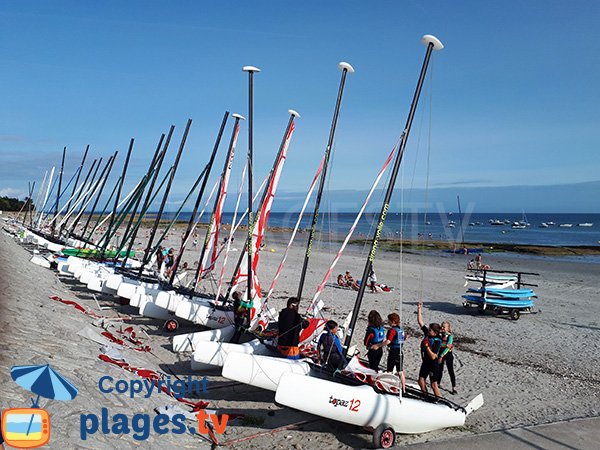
[10, 204]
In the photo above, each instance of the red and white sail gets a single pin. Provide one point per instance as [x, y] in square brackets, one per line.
[211, 244]
[292, 237]
[315, 307]
[260, 226]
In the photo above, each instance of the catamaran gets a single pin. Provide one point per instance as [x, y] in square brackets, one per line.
[365, 398]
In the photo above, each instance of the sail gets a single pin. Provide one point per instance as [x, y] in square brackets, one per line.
[287, 249]
[315, 307]
[212, 240]
[260, 226]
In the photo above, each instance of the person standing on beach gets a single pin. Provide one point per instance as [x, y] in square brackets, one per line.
[290, 324]
[430, 348]
[375, 335]
[446, 355]
[372, 280]
[160, 257]
[394, 340]
[239, 317]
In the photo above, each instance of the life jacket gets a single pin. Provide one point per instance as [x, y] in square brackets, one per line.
[434, 343]
[378, 334]
[398, 338]
[445, 339]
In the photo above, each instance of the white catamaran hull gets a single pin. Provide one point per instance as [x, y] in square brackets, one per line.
[188, 342]
[261, 371]
[204, 313]
[212, 355]
[362, 406]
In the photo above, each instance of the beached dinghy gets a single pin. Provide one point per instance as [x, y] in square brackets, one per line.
[504, 293]
[363, 406]
[204, 313]
[262, 371]
[188, 342]
[212, 355]
[41, 260]
[500, 305]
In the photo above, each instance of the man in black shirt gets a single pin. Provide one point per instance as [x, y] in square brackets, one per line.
[289, 325]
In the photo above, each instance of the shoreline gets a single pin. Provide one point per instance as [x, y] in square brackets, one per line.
[394, 244]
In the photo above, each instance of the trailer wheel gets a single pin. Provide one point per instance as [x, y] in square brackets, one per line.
[465, 305]
[481, 309]
[515, 314]
[171, 325]
[384, 436]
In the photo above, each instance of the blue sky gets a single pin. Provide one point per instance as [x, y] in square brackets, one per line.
[512, 99]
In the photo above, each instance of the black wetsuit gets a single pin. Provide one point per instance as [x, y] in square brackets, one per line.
[290, 324]
[374, 335]
[430, 367]
[330, 351]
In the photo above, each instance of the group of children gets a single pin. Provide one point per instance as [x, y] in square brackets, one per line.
[436, 349]
[166, 257]
[376, 338]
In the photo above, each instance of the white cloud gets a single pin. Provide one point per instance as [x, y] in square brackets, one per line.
[11, 192]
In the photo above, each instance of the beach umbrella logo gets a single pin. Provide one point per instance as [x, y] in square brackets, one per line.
[30, 427]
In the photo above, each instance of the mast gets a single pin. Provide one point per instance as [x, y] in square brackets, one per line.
[48, 189]
[345, 68]
[143, 183]
[190, 224]
[432, 43]
[62, 168]
[112, 217]
[218, 198]
[161, 158]
[37, 203]
[75, 185]
[30, 206]
[167, 190]
[250, 70]
[87, 195]
[267, 192]
[100, 183]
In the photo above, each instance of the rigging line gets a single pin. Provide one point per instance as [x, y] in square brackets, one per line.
[298, 220]
[313, 304]
[231, 233]
[428, 166]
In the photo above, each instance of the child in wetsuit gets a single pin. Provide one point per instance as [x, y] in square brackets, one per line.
[394, 340]
[430, 348]
[375, 335]
[446, 355]
[330, 350]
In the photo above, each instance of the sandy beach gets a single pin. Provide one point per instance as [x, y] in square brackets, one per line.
[539, 369]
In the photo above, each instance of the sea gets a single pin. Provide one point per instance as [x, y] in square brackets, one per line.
[452, 227]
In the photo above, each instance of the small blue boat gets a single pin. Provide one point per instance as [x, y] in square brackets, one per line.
[505, 293]
[499, 305]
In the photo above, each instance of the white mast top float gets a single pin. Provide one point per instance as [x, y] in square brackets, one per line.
[250, 69]
[431, 39]
[344, 65]
[293, 113]
[238, 116]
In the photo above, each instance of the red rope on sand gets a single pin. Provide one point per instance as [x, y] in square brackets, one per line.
[153, 376]
[111, 337]
[80, 308]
